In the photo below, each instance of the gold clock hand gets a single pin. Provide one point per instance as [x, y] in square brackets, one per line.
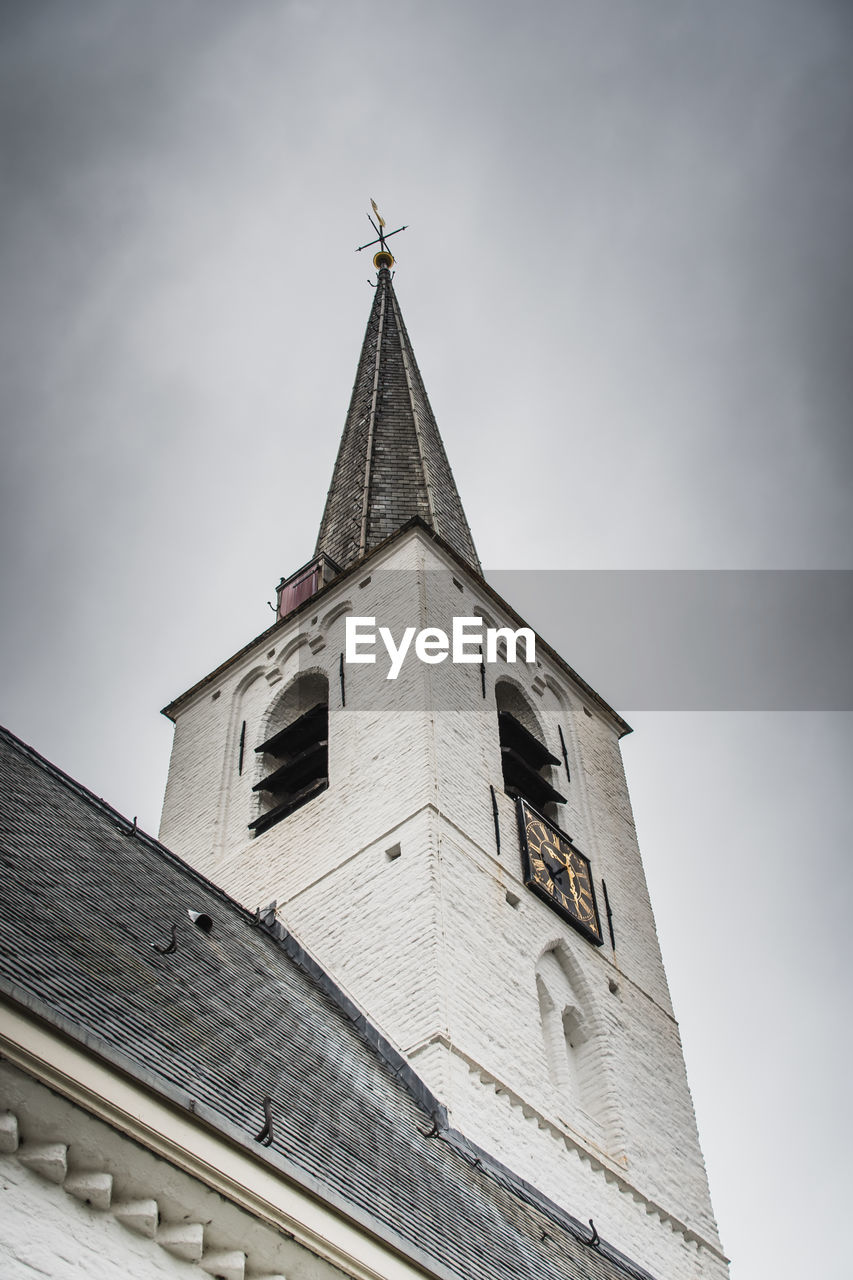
[573, 885]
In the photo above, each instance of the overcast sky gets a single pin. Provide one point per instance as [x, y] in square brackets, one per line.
[628, 283]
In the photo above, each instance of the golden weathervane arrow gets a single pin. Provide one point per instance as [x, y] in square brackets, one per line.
[384, 257]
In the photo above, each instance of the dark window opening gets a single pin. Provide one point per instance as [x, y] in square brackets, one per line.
[297, 757]
[524, 758]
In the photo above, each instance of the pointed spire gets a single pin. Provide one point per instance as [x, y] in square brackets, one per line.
[391, 464]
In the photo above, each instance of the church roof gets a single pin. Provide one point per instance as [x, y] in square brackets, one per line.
[227, 1018]
[391, 463]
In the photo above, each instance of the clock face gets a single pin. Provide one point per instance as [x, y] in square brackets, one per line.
[558, 872]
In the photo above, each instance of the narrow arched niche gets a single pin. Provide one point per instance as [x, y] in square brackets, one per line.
[509, 697]
[573, 1049]
[294, 756]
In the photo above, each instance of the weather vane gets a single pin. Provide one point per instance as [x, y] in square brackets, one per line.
[382, 258]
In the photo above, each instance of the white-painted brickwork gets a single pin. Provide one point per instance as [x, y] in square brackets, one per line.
[44, 1232]
[116, 1211]
[427, 942]
[538, 1150]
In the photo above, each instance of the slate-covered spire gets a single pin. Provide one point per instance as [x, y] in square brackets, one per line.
[391, 464]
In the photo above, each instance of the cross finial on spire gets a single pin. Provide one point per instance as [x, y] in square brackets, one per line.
[383, 258]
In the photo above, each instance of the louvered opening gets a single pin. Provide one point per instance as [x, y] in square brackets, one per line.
[526, 762]
[521, 779]
[523, 756]
[296, 765]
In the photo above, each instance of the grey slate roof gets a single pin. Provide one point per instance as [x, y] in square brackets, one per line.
[241, 1013]
[391, 463]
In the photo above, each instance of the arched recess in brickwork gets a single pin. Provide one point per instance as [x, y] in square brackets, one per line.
[292, 647]
[529, 767]
[293, 757]
[575, 1040]
[510, 697]
[338, 611]
[479, 612]
[564, 713]
[234, 761]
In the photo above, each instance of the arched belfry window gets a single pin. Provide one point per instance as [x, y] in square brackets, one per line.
[526, 761]
[295, 753]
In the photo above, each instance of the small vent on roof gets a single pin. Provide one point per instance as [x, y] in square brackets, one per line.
[201, 921]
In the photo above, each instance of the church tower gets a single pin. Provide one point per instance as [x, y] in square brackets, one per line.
[453, 839]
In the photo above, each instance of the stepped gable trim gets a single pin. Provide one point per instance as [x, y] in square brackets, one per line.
[391, 1058]
[605, 1168]
[171, 709]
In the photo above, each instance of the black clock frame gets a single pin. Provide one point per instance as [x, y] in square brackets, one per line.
[592, 935]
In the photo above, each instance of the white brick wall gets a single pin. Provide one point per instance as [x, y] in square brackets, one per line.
[44, 1232]
[427, 943]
